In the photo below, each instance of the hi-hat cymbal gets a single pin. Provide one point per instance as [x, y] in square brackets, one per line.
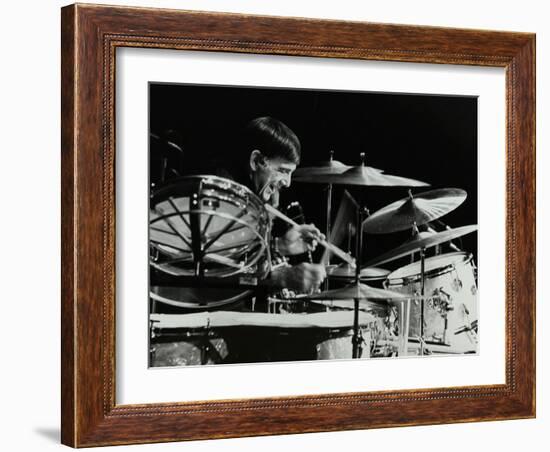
[347, 272]
[420, 208]
[359, 291]
[420, 241]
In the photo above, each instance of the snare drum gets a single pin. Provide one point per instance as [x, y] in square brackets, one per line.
[451, 309]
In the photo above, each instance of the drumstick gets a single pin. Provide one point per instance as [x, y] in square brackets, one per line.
[329, 246]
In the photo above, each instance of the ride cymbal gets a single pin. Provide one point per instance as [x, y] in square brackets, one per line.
[416, 209]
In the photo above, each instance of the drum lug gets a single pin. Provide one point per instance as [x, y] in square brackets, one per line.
[416, 294]
[445, 301]
[154, 254]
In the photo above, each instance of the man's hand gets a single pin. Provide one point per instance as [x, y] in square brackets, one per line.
[300, 239]
[305, 278]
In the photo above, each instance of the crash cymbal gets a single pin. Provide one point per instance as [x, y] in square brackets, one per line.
[361, 291]
[420, 241]
[420, 208]
[347, 272]
[362, 176]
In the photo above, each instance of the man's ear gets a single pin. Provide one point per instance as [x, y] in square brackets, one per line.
[256, 160]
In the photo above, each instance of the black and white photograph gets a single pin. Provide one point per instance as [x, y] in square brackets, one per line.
[272, 226]
[302, 225]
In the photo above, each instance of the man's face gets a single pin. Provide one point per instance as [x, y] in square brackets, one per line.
[270, 176]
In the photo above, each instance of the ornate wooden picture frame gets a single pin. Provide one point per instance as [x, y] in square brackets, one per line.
[90, 37]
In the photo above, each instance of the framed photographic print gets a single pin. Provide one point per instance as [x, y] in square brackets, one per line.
[281, 225]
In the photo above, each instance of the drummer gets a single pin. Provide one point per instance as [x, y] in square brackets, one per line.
[269, 153]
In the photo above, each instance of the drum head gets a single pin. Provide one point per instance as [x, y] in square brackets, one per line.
[208, 226]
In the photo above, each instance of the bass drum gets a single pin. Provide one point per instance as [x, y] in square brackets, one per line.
[451, 306]
[195, 348]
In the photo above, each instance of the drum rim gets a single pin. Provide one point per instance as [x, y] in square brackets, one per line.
[438, 271]
[243, 193]
[197, 306]
[198, 177]
[258, 238]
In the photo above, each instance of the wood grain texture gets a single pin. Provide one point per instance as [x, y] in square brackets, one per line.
[90, 36]
[67, 227]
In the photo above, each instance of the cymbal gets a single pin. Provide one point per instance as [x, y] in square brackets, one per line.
[347, 271]
[323, 168]
[419, 208]
[326, 168]
[422, 240]
[360, 175]
[373, 307]
[361, 291]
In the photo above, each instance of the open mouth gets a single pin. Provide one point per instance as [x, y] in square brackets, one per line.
[271, 193]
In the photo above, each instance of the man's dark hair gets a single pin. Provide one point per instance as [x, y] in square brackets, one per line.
[272, 138]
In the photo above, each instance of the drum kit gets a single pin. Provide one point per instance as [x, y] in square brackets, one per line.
[205, 230]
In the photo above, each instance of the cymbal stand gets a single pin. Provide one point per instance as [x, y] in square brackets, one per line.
[422, 252]
[329, 218]
[422, 299]
[328, 229]
[205, 345]
[415, 232]
[357, 339]
[350, 228]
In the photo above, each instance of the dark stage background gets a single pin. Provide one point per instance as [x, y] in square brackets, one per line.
[430, 138]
